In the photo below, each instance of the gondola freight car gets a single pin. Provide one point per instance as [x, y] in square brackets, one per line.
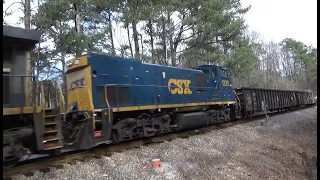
[255, 100]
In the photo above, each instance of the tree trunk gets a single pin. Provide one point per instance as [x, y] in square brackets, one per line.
[164, 43]
[64, 88]
[78, 29]
[174, 57]
[111, 33]
[173, 60]
[141, 40]
[38, 100]
[130, 46]
[174, 44]
[27, 25]
[27, 14]
[135, 39]
[133, 4]
[151, 40]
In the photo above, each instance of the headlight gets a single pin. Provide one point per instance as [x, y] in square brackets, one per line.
[77, 61]
[74, 106]
[69, 63]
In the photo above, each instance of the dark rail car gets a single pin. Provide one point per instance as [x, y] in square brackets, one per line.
[253, 100]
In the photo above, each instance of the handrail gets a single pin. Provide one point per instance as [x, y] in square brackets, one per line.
[62, 102]
[92, 109]
[43, 101]
[106, 99]
[14, 75]
[61, 96]
[238, 99]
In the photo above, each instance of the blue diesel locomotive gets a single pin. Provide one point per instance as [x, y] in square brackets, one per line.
[113, 99]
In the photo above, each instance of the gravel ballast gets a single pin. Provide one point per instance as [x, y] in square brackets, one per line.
[284, 148]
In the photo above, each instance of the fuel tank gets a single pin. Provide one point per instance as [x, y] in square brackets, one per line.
[189, 120]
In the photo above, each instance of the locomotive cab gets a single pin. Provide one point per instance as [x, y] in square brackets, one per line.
[25, 127]
[220, 80]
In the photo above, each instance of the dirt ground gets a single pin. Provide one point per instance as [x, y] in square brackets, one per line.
[286, 148]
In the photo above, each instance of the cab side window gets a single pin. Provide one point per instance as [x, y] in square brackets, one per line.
[224, 73]
[214, 73]
[206, 71]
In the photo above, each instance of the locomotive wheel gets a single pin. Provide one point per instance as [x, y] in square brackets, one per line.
[12, 155]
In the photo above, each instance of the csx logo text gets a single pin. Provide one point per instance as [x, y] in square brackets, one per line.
[182, 86]
[77, 83]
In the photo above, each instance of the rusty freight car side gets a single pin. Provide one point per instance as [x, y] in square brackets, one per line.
[252, 100]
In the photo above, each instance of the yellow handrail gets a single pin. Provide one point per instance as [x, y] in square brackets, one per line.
[43, 101]
[61, 100]
[106, 99]
[92, 109]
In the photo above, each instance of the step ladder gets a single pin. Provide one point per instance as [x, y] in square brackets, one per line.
[51, 118]
[97, 122]
[52, 136]
[100, 130]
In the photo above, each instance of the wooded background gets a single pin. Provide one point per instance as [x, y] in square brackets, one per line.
[182, 33]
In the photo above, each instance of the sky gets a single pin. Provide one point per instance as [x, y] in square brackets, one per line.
[279, 19]
[273, 19]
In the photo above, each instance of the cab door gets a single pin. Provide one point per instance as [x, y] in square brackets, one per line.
[226, 89]
[215, 83]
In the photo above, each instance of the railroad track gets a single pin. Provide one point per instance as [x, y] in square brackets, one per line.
[103, 150]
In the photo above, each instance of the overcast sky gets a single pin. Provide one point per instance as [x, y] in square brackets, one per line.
[278, 19]
[274, 19]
